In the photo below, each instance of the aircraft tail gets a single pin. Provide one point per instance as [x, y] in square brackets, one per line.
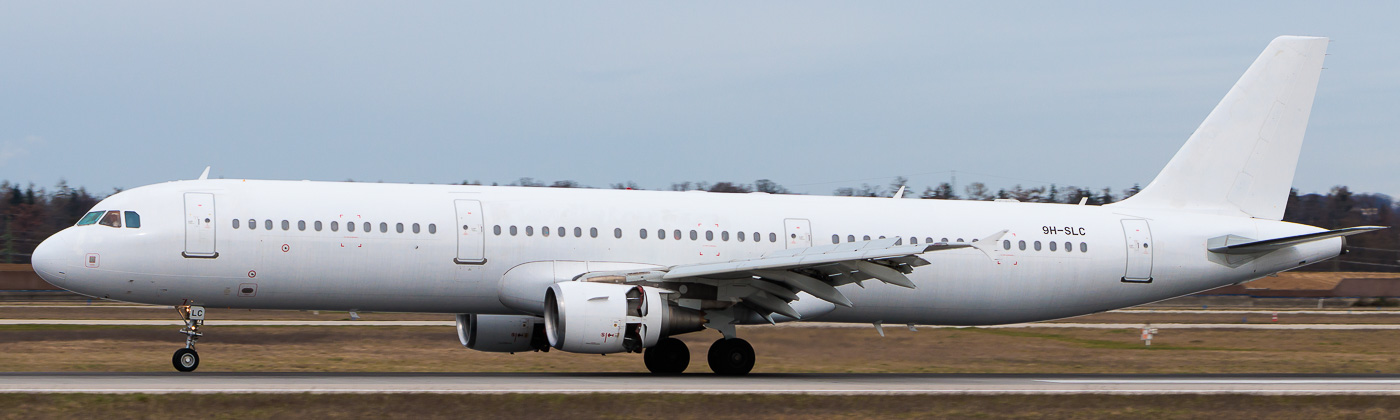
[1241, 160]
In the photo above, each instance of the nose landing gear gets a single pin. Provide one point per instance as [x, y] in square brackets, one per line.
[187, 359]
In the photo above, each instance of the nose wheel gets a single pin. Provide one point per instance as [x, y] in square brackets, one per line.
[187, 359]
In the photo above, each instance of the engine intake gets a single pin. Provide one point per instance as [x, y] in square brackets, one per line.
[584, 317]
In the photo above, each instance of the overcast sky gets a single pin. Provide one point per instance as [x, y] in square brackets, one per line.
[814, 96]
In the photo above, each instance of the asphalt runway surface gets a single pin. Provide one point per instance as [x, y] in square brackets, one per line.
[1114, 326]
[695, 383]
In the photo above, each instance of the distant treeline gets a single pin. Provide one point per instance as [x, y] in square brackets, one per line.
[29, 214]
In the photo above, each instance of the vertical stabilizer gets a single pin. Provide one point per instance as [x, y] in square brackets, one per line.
[1241, 160]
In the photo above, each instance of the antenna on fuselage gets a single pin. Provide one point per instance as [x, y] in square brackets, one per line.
[204, 175]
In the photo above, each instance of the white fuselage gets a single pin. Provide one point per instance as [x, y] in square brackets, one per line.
[442, 272]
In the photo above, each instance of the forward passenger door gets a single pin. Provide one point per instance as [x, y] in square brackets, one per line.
[199, 226]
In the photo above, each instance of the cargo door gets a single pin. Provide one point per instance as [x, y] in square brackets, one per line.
[199, 226]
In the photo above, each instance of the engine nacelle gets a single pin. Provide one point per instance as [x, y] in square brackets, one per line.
[501, 333]
[584, 317]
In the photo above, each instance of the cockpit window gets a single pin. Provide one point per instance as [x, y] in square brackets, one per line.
[90, 218]
[113, 218]
[133, 220]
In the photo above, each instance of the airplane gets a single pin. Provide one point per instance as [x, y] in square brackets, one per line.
[621, 271]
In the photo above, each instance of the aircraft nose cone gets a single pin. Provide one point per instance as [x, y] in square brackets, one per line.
[50, 259]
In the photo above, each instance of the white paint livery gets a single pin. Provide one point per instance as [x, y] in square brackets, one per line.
[643, 265]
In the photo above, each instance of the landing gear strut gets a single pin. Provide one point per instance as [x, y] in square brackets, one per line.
[187, 359]
[731, 356]
[668, 357]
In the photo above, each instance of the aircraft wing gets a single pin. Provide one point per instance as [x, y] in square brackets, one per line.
[769, 283]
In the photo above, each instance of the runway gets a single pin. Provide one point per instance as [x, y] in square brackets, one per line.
[695, 383]
[363, 323]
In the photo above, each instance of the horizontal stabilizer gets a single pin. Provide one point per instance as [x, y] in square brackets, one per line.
[1222, 244]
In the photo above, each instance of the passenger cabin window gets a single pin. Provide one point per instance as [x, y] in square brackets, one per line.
[772, 237]
[578, 232]
[286, 225]
[850, 238]
[544, 231]
[335, 226]
[642, 233]
[1022, 245]
[741, 236]
[617, 233]
[368, 227]
[678, 234]
[529, 231]
[113, 218]
[301, 225]
[398, 227]
[267, 224]
[693, 235]
[133, 220]
[1037, 245]
[350, 227]
[496, 229]
[318, 225]
[383, 227]
[1006, 244]
[512, 229]
[90, 218]
[724, 236]
[593, 232]
[1069, 247]
[235, 223]
[913, 240]
[709, 235]
[432, 228]
[1083, 247]
[253, 224]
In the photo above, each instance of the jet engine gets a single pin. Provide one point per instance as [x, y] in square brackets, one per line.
[501, 333]
[585, 317]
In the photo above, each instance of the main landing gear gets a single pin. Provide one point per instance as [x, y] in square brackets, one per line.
[728, 356]
[731, 356]
[187, 359]
[668, 357]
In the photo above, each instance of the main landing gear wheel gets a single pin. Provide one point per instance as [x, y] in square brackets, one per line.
[185, 360]
[668, 357]
[731, 356]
